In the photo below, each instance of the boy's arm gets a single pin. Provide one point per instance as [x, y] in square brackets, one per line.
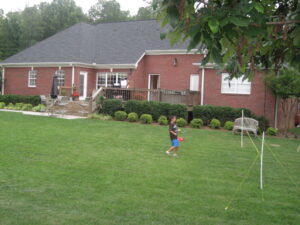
[173, 132]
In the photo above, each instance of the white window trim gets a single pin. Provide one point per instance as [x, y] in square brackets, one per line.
[234, 92]
[106, 76]
[59, 79]
[29, 78]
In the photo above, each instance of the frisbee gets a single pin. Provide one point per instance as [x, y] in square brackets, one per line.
[180, 139]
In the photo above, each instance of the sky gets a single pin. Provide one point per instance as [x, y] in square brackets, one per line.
[14, 5]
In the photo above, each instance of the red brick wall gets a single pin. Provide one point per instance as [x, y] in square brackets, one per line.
[260, 101]
[171, 77]
[16, 80]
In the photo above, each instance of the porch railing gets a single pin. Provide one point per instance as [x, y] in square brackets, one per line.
[186, 97]
[65, 91]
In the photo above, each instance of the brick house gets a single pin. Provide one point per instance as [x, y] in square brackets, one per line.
[129, 54]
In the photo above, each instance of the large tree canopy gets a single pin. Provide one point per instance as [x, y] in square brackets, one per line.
[240, 36]
[107, 11]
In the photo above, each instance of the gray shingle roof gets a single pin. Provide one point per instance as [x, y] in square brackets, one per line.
[106, 43]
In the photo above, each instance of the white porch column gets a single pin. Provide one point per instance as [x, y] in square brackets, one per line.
[202, 85]
[3, 78]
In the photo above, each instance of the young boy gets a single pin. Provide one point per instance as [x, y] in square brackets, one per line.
[173, 136]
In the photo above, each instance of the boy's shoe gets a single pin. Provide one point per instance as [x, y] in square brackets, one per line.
[175, 155]
[168, 153]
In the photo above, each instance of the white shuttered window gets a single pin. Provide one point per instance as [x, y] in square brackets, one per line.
[235, 86]
[194, 82]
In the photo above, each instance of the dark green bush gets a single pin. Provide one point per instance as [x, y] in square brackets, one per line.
[27, 107]
[263, 123]
[133, 117]
[156, 109]
[178, 110]
[228, 125]
[209, 112]
[110, 106]
[181, 122]
[162, 120]
[271, 131]
[2, 105]
[146, 118]
[196, 123]
[120, 115]
[215, 124]
[27, 99]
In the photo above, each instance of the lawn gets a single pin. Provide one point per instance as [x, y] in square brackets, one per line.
[55, 171]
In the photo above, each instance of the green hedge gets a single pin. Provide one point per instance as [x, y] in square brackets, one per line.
[110, 106]
[224, 114]
[156, 109]
[27, 99]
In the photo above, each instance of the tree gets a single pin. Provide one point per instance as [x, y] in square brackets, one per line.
[107, 11]
[144, 13]
[240, 36]
[10, 38]
[286, 86]
[30, 26]
[59, 15]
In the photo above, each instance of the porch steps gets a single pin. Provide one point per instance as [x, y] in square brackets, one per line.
[75, 108]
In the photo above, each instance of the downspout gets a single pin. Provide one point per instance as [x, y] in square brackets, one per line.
[73, 78]
[3, 78]
[202, 85]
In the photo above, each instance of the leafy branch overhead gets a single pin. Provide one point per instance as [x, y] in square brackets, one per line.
[240, 36]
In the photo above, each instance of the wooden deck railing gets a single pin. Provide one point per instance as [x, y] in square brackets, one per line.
[186, 97]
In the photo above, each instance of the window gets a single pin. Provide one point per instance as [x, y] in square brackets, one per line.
[235, 86]
[110, 79]
[194, 82]
[32, 78]
[60, 77]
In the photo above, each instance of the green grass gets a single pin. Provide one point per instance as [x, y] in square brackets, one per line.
[55, 171]
[295, 130]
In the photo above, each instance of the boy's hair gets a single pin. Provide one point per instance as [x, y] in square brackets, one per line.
[171, 117]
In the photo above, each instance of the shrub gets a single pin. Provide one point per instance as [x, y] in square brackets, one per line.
[27, 99]
[120, 115]
[95, 116]
[2, 105]
[27, 107]
[271, 131]
[10, 106]
[196, 123]
[39, 108]
[146, 118]
[162, 120]
[133, 117]
[215, 124]
[209, 112]
[178, 110]
[156, 109]
[181, 122]
[110, 106]
[229, 125]
[19, 106]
